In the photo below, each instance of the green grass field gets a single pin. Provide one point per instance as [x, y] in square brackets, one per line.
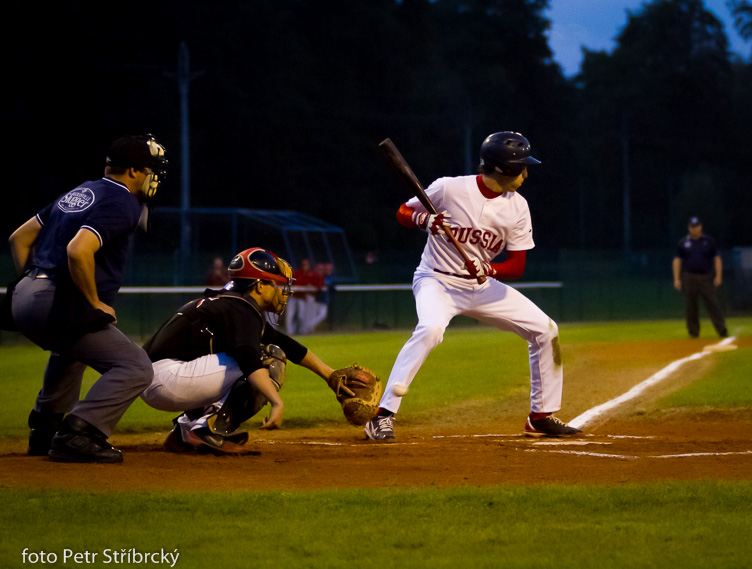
[699, 524]
[662, 525]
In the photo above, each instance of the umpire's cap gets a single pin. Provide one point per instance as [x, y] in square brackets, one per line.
[506, 152]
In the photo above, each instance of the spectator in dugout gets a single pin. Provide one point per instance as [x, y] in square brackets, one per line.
[297, 314]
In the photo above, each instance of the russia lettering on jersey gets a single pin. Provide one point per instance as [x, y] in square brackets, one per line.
[484, 226]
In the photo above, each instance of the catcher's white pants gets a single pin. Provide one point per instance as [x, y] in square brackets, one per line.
[182, 386]
[440, 298]
[203, 383]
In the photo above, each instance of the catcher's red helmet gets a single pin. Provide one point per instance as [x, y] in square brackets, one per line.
[259, 264]
[253, 265]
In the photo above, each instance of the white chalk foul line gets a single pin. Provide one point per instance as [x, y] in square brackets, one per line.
[589, 415]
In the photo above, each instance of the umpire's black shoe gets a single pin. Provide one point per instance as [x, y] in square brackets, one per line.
[43, 427]
[79, 441]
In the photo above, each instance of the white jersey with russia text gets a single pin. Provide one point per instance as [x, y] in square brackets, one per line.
[483, 226]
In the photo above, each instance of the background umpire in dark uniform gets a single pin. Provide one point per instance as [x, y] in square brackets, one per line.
[698, 271]
[71, 256]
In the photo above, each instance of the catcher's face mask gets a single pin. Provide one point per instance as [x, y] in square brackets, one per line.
[284, 290]
[278, 303]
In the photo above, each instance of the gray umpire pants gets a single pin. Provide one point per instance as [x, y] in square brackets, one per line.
[694, 286]
[124, 367]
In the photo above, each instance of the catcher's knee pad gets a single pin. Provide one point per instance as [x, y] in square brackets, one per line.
[275, 360]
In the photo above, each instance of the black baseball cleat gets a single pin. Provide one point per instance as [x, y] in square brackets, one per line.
[79, 441]
[380, 428]
[205, 440]
[174, 441]
[43, 427]
[549, 427]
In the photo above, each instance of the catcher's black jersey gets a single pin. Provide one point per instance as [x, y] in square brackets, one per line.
[220, 322]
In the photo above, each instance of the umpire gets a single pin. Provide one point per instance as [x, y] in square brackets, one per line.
[70, 257]
[698, 271]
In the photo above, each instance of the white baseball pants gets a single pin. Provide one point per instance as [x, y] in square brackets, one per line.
[440, 298]
[182, 386]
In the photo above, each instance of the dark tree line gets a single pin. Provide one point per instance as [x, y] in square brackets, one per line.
[290, 98]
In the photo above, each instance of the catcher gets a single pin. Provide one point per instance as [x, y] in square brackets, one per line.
[219, 362]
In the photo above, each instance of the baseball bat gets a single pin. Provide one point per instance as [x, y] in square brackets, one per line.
[407, 175]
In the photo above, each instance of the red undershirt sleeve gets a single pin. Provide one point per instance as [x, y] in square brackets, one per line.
[405, 215]
[512, 268]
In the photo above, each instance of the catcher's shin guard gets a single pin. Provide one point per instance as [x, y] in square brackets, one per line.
[237, 407]
[244, 400]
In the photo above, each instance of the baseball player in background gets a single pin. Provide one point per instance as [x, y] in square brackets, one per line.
[486, 215]
[71, 256]
[218, 361]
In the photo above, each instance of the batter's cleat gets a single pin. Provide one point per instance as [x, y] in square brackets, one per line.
[380, 428]
[204, 439]
[79, 441]
[549, 427]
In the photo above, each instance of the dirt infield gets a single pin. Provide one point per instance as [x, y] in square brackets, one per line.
[638, 444]
[618, 452]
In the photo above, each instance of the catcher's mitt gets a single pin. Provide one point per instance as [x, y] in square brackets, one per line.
[358, 390]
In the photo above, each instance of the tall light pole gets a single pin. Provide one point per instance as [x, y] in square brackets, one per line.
[184, 78]
[626, 185]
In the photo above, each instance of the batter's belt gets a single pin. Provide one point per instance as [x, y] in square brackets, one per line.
[454, 274]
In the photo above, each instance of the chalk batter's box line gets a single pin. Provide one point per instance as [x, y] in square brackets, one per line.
[631, 457]
[516, 436]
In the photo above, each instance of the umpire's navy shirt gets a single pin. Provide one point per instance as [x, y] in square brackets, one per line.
[697, 255]
[104, 207]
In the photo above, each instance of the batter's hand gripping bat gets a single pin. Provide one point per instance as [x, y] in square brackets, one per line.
[411, 180]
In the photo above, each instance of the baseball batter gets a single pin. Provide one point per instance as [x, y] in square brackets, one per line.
[486, 215]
